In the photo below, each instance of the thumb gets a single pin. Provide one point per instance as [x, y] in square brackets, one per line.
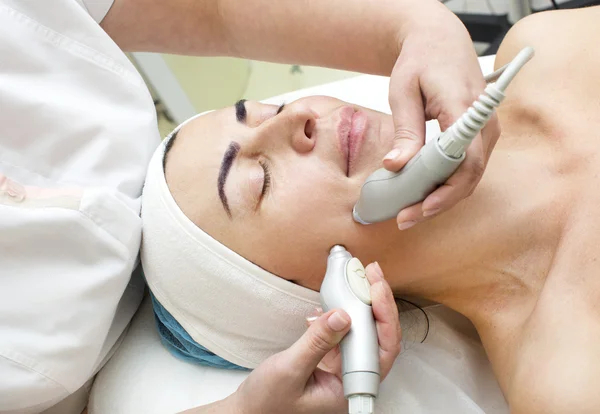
[320, 338]
[408, 113]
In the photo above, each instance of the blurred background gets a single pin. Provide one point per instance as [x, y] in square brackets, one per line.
[183, 86]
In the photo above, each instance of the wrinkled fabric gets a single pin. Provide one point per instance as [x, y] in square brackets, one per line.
[78, 129]
[181, 344]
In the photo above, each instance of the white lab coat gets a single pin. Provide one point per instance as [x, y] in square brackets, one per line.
[77, 129]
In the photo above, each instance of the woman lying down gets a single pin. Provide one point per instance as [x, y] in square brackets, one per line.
[237, 236]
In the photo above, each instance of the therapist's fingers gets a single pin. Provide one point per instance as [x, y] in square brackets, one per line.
[385, 312]
[464, 181]
[408, 114]
[410, 216]
[460, 185]
[387, 319]
[374, 273]
[387, 322]
[320, 338]
[332, 362]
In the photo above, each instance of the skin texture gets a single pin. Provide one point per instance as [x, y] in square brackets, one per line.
[518, 257]
[421, 45]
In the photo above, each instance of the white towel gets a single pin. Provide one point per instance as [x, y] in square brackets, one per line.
[229, 305]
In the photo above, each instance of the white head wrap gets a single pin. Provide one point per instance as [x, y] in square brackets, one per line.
[227, 304]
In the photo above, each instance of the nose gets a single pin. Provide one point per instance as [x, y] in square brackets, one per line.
[296, 125]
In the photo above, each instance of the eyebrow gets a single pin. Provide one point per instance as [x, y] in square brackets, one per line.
[226, 163]
[240, 111]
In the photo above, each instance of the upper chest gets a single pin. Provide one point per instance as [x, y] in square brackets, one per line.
[552, 333]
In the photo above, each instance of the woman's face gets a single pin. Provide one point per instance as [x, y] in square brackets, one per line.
[277, 185]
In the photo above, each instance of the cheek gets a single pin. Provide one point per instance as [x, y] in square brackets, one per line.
[303, 221]
[313, 194]
[322, 104]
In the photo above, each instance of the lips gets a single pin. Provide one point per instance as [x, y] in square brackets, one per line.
[351, 131]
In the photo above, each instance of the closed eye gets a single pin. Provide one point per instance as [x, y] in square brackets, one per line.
[266, 179]
[266, 171]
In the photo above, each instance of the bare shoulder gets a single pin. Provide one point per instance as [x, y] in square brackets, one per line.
[557, 37]
[560, 86]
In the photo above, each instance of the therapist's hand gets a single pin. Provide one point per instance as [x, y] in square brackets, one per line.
[290, 382]
[436, 76]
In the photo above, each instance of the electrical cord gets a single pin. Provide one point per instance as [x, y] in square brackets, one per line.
[457, 138]
[384, 194]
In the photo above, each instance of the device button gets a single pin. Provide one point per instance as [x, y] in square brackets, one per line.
[357, 279]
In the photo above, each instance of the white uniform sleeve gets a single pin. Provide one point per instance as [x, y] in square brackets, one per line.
[78, 130]
[96, 8]
[68, 258]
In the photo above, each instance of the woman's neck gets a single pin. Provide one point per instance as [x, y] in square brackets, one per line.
[491, 249]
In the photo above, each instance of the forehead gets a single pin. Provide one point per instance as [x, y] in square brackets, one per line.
[204, 126]
[214, 125]
[204, 140]
[194, 160]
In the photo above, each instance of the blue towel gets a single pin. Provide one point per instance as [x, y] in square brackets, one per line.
[180, 343]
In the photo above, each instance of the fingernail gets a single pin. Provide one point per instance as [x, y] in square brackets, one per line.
[378, 269]
[314, 315]
[393, 154]
[311, 319]
[431, 212]
[337, 322]
[406, 225]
